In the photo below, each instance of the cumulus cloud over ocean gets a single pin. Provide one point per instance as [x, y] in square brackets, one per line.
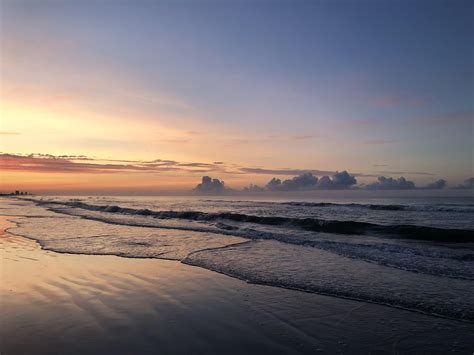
[307, 181]
[342, 180]
[468, 184]
[253, 188]
[437, 185]
[210, 185]
[388, 183]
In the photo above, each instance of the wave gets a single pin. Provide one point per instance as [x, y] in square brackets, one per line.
[307, 224]
[460, 208]
[390, 207]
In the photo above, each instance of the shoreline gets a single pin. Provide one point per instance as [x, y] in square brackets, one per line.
[190, 262]
[149, 304]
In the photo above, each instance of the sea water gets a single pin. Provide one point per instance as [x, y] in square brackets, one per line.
[411, 253]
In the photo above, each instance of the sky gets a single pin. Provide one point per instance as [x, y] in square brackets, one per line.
[152, 95]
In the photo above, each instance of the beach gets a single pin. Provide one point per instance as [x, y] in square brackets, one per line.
[63, 303]
[236, 177]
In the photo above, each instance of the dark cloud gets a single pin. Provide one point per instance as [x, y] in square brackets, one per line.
[307, 181]
[468, 185]
[325, 183]
[210, 186]
[342, 180]
[388, 183]
[273, 185]
[437, 185]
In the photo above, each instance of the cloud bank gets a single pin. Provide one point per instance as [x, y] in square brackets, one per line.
[47, 163]
[302, 181]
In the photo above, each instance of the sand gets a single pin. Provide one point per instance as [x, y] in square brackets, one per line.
[55, 303]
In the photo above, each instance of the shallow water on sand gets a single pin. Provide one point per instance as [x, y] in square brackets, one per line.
[76, 304]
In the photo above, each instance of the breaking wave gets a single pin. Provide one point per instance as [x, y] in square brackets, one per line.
[459, 208]
[307, 224]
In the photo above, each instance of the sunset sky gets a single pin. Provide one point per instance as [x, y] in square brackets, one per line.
[131, 95]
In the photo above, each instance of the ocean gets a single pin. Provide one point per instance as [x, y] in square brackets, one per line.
[414, 253]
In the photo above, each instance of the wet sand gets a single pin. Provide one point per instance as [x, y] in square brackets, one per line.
[55, 303]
